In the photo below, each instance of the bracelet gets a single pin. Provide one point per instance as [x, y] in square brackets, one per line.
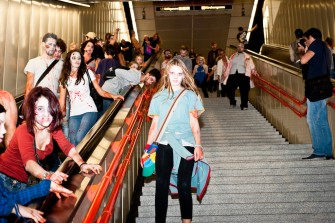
[198, 145]
[82, 164]
[44, 175]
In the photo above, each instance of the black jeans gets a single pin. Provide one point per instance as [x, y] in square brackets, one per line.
[241, 81]
[164, 164]
[203, 87]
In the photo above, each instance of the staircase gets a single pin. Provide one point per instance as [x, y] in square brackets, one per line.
[256, 175]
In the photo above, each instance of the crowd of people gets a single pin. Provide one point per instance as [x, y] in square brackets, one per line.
[59, 111]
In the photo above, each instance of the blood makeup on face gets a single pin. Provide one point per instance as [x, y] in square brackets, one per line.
[75, 59]
[42, 113]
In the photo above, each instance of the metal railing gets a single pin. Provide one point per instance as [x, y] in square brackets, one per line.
[284, 83]
[117, 169]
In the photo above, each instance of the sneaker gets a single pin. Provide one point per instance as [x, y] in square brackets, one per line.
[244, 108]
[329, 158]
[232, 106]
[313, 156]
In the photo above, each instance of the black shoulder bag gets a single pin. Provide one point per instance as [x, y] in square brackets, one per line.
[98, 100]
[19, 110]
[321, 87]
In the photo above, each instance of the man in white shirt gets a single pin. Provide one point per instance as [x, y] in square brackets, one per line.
[36, 66]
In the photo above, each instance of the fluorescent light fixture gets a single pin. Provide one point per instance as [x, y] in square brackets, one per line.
[212, 7]
[75, 3]
[175, 8]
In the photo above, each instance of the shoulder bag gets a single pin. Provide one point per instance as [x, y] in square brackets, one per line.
[149, 157]
[98, 100]
[321, 87]
[19, 110]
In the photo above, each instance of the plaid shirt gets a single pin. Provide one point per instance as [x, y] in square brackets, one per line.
[9, 199]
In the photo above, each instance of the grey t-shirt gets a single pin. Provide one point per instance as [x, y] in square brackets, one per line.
[122, 79]
[187, 61]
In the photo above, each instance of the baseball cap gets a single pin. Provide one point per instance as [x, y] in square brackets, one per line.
[91, 35]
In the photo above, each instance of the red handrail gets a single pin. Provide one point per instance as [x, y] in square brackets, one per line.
[296, 111]
[280, 90]
[258, 79]
[107, 178]
[109, 208]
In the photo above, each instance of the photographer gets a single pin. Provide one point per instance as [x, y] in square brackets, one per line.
[318, 58]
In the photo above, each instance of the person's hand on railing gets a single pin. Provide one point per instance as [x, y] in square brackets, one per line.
[60, 190]
[86, 168]
[254, 72]
[57, 177]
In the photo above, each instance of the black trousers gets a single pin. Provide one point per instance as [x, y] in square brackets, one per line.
[203, 87]
[164, 164]
[241, 81]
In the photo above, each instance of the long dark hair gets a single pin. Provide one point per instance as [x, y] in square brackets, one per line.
[2, 108]
[54, 108]
[66, 70]
[83, 45]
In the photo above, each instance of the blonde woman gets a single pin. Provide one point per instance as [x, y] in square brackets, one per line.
[200, 74]
[182, 131]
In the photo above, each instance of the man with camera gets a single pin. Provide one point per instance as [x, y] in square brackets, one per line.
[318, 89]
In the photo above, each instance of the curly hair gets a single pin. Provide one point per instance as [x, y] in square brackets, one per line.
[83, 45]
[66, 70]
[187, 83]
[54, 108]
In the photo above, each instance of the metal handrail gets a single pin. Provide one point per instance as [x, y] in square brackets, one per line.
[281, 91]
[110, 173]
[108, 211]
[296, 111]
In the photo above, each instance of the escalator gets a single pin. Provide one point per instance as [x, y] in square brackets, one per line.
[99, 146]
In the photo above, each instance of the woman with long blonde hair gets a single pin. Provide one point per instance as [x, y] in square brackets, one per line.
[181, 136]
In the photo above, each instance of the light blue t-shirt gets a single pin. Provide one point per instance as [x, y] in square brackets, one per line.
[179, 124]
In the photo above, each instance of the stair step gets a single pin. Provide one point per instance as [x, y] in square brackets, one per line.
[238, 218]
[257, 176]
[226, 198]
[247, 209]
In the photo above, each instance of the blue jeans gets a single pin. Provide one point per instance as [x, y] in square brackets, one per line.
[317, 119]
[106, 103]
[12, 184]
[65, 124]
[80, 125]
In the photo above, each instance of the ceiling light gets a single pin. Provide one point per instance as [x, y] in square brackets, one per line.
[75, 3]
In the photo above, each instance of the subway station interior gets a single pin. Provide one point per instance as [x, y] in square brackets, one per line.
[255, 155]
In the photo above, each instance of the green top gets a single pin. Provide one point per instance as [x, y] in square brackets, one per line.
[179, 124]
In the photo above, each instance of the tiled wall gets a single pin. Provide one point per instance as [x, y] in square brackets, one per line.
[24, 22]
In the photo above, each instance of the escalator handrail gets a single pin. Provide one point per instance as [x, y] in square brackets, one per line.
[110, 173]
[277, 63]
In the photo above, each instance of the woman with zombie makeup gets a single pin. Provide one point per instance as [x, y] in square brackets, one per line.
[33, 142]
[11, 202]
[182, 134]
[83, 111]
[91, 60]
